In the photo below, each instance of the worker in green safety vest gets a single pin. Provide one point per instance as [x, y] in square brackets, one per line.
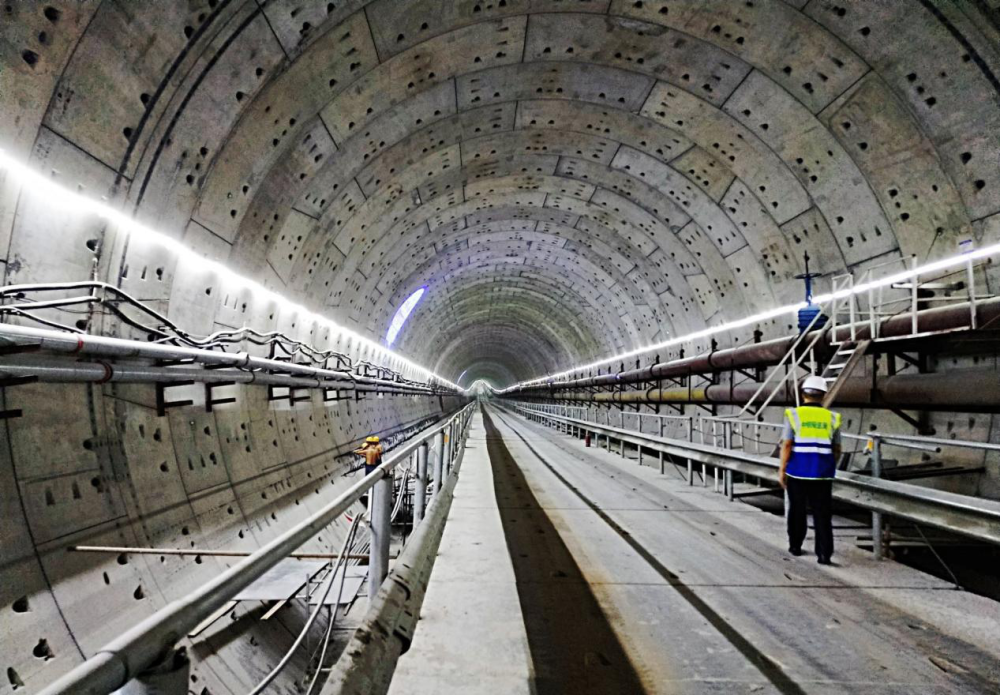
[810, 449]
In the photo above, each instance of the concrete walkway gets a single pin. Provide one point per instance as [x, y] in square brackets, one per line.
[471, 637]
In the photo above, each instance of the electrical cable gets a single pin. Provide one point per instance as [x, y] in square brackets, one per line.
[349, 541]
[266, 681]
[165, 331]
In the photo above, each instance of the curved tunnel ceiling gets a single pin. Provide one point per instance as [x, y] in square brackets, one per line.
[568, 179]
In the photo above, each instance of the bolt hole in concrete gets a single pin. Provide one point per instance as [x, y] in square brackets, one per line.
[42, 650]
[14, 680]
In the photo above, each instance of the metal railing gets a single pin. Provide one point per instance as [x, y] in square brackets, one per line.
[146, 644]
[882, 302]
[970, 516]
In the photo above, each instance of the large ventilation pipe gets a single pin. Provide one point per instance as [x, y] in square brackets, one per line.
[972, 390]
[769, 353]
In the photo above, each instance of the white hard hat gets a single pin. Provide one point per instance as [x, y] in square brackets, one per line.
[814, 383]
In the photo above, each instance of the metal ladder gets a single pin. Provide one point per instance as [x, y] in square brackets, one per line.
[849, 354]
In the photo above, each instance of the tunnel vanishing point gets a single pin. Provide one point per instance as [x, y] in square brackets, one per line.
[570, 261]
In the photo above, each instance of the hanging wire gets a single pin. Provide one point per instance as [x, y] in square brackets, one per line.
[947, 569]
[259, 688]
[161, 330]
[349, 543]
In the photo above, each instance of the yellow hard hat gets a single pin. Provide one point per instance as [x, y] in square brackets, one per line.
[372, 439]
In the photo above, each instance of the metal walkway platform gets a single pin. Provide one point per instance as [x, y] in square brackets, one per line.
[699, 592]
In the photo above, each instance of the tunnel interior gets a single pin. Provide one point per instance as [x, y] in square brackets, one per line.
[569, 181]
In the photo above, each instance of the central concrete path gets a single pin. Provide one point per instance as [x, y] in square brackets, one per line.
[471, 637]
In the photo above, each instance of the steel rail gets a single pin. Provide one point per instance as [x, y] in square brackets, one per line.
[126, 656]
[970, 516]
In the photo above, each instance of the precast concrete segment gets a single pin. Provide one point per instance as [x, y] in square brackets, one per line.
[471, 636]
[573, 647]
[861, 624]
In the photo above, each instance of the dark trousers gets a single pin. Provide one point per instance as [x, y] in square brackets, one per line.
[817, 494]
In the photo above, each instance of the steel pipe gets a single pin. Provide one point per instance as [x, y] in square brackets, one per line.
[770, 352]
[130, 654]
[967, 390]
[380, 534]
[85, 344]
[420, 485]
[64, 370]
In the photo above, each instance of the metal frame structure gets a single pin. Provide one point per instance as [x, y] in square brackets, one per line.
[969, 516]
[170, 366]
[152, 641]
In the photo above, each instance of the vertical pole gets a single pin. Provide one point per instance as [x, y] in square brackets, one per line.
[877, 548]
[715, 471]
[971, 283]
[915, 284]
[663, 467]
[420, 491]
[378, 564]
[690, 472]
[439, 464]
[729, 484]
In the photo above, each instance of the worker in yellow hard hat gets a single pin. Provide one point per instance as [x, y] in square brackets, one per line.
[371, 450]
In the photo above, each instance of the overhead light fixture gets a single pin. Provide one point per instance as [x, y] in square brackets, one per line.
[55, 194]
[403, 313]
[967, 257]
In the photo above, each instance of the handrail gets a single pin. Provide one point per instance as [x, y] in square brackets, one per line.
[777, 367]
[970, 516]
[369, 661]
[126, 656]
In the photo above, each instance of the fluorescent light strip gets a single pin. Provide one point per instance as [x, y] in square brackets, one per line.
[402, 314]
[55, 194]
[936, 266]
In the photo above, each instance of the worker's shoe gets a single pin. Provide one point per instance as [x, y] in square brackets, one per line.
[795, 551]
[824, 561]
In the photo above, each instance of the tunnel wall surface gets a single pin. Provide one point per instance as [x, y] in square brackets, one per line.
[568, 179]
